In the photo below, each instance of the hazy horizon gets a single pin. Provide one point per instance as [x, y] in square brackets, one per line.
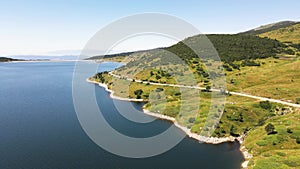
[63, 28]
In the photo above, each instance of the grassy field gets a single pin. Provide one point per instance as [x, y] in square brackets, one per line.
[278, 150]
[275, 78]
[192, 107]
[288, 34]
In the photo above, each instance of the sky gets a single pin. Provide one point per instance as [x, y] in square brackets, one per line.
[58, 27]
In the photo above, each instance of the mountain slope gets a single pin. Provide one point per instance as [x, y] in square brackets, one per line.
[286, 34]
[269, 27]
[230, 48]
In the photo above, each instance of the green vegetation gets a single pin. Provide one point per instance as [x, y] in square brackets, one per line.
[279, 150]
[231, 47]
[253, 65]
[275, 78]
[270, 129]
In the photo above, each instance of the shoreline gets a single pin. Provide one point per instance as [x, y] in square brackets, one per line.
[202, 139]
[112, 92]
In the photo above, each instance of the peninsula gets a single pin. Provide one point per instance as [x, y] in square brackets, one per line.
[262, 107]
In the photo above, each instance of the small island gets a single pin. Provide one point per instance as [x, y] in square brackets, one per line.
[7, 59]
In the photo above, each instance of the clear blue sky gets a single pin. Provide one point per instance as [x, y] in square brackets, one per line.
[37, 26]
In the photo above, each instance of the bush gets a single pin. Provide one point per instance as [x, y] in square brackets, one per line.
[281, 154]
[265, 105]
[288, 130]
[208, 88]
[270, 129]
[138, 93]
[297, 100]
[289, 52]
[159, 89]
[298, 140]
[261, 122]
[261, 143]
[250, 63]
[192, 120]
[232, 131]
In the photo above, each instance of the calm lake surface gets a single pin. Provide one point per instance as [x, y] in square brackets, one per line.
[39, 128]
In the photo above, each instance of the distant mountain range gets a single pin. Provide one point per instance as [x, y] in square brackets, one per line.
[45, 57]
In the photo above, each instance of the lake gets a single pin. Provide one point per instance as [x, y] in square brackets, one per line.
[39, 128]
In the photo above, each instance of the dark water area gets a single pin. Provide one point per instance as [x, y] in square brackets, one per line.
[39, 128]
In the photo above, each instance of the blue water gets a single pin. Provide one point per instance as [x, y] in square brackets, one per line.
[39, 128]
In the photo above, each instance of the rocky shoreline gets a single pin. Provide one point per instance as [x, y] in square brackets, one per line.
[201, 139]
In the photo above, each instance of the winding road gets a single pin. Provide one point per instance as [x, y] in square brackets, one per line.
[216, 90]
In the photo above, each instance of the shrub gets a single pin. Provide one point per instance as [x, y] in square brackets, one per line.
[250, 63]
[265, 105]
[281, 154]
[138, 93]
[208, 88]
[270, 129]
[232, 131]
[298, 140]
[261, 122]
[192, 120]
[297, 100]
[288, 130]
[290, 52]
[261, 143]
[159, 89]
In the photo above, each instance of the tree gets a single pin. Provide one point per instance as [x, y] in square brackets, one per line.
[208, 88]
[157, 77]
[138, 92]
[151, 73]
[232, 131]
[297, 100]
[298, 140]
[270, 129]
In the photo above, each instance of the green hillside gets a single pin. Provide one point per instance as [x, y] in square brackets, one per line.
[288, 34]
[254, 65]
[230, 48]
